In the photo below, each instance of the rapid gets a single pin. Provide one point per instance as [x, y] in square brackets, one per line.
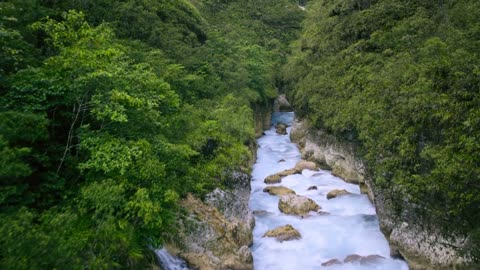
[350, 227]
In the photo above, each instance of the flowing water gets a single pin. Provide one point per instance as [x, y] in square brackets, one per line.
[350, 228]
[169, 262]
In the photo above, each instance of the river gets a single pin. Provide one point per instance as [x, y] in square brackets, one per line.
[351, 227]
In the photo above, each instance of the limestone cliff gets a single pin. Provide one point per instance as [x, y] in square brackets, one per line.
[216, 233]
[422, 248]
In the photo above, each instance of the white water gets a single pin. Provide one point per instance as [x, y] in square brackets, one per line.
[351, 227]
[169, 262]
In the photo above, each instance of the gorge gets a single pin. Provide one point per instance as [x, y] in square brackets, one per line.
[133, 130]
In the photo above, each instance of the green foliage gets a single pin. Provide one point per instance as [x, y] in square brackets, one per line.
[400, 78]
[109, 115]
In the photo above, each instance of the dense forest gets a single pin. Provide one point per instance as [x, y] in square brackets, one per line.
[400, 79]
[111, 111]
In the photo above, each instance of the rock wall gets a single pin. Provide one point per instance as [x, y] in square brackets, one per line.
[330, 154]
[422, 248]
[216, 233]
[263, 117]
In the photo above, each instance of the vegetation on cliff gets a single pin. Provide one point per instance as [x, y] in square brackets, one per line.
[110, 111]
[401, 79]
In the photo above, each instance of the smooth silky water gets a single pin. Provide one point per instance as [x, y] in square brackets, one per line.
[350, 228]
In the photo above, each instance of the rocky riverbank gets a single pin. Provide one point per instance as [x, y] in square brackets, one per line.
[216, 233]
[422, 248]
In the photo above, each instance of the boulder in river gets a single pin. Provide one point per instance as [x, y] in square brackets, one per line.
[284, 233]
[303, 164]
[273, 179]
[371, 259]
[336, 193]
[281, 128]
[297, 205]
[364, 260]
[281, 160]
[352, 258]
[277, 178]
[313, 188]
[278, 190]
[287, 172]
[331, 262]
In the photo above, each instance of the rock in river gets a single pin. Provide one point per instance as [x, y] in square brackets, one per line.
[336, 193]
[278, 190]
[302, 165]
[281, 129]
[297, 205]
[284, 233]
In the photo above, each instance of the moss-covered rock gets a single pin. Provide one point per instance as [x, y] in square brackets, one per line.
[284, 233]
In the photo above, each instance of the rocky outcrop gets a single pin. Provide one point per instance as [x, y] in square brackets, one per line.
[336, 193]
[284, 233]
[278, 190]
[216, 233]
[281, 104]
[297, 205]
[423, 248]
[328, 152]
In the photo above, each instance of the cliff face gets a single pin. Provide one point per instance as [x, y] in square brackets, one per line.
[216, 233]
[422, 248]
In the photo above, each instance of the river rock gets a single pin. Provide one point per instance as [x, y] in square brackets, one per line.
[313, 188]
[260, 212]
[331, 262]
[278, 190]
[371, 259]
[273, 179]
[284, 233]
[281, 104]
[281, 160]
[287, 172]
[297, 205]
[352, 258]
[277, 178]
[281, 128]
[302, 165]
[336, 193]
